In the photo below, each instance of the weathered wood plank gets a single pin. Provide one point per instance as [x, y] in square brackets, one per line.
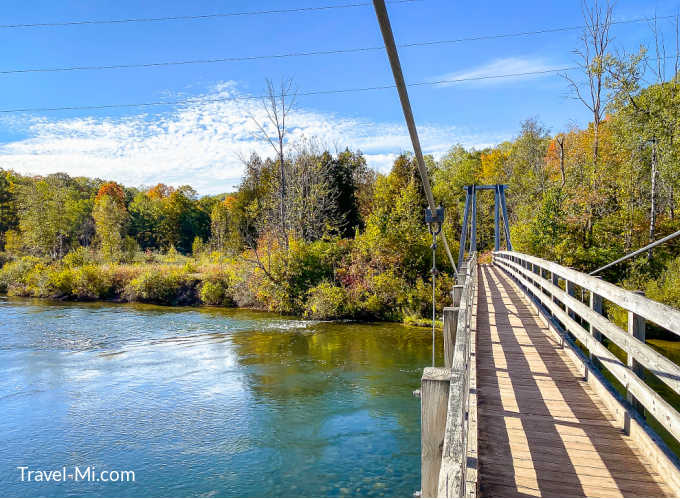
[543, 429]
[652, 401]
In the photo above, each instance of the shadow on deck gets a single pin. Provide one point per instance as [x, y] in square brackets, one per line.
[542, 430]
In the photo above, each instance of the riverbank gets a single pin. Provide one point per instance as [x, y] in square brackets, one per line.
[215, 280]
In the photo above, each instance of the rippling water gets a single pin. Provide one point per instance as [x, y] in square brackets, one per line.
[207, 402]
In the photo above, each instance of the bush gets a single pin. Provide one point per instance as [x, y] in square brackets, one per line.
[156, 285]
[61, 281]
[243, 283]
[78, 257]
[13, 275]
[666, 289]
[327, 301]
[213, 293]
[129, 249]
[91, 282]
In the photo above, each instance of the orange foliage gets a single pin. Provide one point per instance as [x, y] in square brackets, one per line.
[113, 190]
[229, 202]
[160, 191]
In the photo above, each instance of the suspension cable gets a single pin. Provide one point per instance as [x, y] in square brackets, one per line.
[390, 46]
[637, 252]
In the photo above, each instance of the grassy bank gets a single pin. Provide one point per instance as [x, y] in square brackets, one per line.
[306, 284]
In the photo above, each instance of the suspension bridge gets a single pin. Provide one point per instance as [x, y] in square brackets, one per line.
[540, 393]
[532, 399]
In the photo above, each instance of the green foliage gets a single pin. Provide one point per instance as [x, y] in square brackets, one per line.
[156, 285]
[197, 247]
[214, 293]
[110, 218]
[91, 282]
[327, 301]
[666, 289]
[14, 274]
[54, 214]
[78, 257]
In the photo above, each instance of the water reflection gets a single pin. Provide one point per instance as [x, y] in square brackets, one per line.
[208, 401]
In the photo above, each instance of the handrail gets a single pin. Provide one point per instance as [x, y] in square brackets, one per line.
[663, 315]
[564, 308]
[455, 479]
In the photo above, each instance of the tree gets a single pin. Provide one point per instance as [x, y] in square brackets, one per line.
[53, 212]
[592, 57]
[8, 206]
[347, 173]
[223, 233]
[277, 106]
[111, 218]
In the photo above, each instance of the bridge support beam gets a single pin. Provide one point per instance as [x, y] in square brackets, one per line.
[496, 220]
[473, 231]
[463, 234]
[470, 219]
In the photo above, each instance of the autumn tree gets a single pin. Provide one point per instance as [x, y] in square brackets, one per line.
[111, 218]
[592, 60]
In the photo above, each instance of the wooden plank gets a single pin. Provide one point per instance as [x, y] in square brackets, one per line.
[544, 429]
[663, 368]
[652, 401]
[663, 461]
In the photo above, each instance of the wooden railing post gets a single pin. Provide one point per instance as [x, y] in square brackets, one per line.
[556, 281]
[571, 289]
[450, 330]
[596, 305]
[462, 274]
[434, 401]
[636, 328]
[456, 293]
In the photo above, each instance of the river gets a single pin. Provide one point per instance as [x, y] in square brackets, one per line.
[207, 402]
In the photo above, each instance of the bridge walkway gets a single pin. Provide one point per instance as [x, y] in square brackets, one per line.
[542, 429]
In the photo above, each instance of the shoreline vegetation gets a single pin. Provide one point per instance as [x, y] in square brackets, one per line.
[173, 279]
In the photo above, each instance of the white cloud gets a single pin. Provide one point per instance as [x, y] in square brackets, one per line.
[499, 67]
[199, 143]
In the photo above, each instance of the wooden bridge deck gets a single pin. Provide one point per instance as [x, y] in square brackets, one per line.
[542, 429]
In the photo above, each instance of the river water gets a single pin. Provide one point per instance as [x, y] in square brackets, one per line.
[207, 402]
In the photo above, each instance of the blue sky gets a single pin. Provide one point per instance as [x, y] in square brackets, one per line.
[200, 143]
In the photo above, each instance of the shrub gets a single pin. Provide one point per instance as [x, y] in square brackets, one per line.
[156, 285]
[129, 249]
[197, 247]
[78, 257]
[36, 282]
[91, 282]
[327, 301]
[13, 274]
[120, 276]
[666, 288]
[61, 281]
[213, 293]
[242, 283]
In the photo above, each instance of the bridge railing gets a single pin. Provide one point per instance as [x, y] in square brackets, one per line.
[554, 288]
[448, 400]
